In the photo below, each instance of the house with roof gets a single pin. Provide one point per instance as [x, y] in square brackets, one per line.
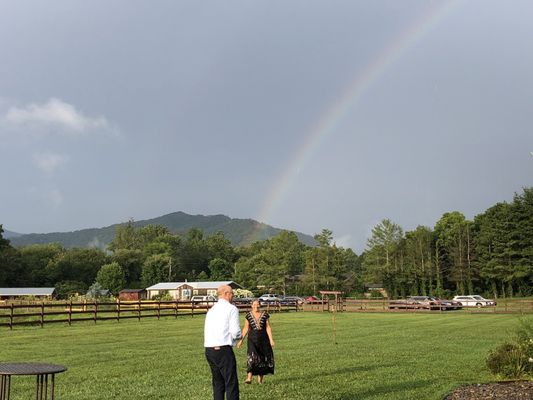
[185, 290]
[44, 293]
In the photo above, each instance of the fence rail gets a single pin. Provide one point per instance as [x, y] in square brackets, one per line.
[503, 306]
[31, 313]
[42, 313]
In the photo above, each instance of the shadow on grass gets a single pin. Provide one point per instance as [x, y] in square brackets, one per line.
[311, 376]
[376, 391]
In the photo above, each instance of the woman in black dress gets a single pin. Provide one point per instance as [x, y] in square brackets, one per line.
[260, 357]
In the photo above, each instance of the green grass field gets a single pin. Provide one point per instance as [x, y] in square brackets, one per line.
[377, 356]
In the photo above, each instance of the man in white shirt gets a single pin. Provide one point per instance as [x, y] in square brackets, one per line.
[221, 331]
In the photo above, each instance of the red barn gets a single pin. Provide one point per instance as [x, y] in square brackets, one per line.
[132, 294]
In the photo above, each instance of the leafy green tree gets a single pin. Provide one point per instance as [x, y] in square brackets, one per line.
[111, 276]
[522, 241]
[384, 258]
[67, 289]
[423, 279]
[156, 269]
[131, 261]
[493, 230]
[194, 255]
[272, 264]
[328, 267]
[202, 277]
[34, 261]
[349, 271]
[454, 239]
[220, 247]
[76, 265]
[247, 271]
[9, 260]
[220, 269]
[126, 237]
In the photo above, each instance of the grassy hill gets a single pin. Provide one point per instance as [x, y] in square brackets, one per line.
[238, 231]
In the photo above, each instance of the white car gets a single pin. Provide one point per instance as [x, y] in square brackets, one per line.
[203, 299]
[474, 301]
[269, 298]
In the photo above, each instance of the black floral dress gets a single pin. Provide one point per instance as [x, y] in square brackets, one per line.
[260, 357]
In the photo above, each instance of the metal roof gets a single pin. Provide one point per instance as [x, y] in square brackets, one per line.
[27, 291]
[209, 285]
[166, 286]
[194, 285]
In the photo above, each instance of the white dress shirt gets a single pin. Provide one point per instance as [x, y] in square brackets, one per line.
[222, 326]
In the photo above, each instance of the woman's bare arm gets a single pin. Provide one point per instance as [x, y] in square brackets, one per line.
[269, 333]
[244, 333]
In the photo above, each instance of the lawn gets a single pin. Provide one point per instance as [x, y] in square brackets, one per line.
[376, 356]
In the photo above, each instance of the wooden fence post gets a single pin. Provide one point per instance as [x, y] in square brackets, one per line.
[42, 314]
[118, 310]
[95, 310]
[70, 313]
[158, 309]
[11, 317]
[139, 310]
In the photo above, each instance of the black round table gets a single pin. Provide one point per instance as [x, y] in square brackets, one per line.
[41, 370]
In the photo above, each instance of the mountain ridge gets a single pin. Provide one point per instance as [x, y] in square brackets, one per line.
[239, 232]
[10, 234]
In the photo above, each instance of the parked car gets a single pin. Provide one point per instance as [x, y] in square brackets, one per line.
[448, 304]
[312, 300]
[407, 303]
[291, 300]
[424, 302]
[269, 298]
[203, 300]
[474, 301]
[242, 300]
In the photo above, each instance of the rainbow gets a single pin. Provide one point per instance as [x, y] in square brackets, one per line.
[330, 119]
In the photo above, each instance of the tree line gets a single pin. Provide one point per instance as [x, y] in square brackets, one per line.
[492, 254]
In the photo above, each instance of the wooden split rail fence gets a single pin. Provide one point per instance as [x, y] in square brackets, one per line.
[69, 312]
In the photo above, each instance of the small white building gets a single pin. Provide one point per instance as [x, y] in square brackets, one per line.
[185, 290]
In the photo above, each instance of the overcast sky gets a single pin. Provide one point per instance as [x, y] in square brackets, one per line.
[301, 114]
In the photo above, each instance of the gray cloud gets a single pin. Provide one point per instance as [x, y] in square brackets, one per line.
[49, 162]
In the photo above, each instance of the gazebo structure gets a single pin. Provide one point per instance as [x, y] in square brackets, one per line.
[332, 300]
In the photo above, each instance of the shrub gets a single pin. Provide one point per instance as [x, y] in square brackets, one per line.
[514, 359]
[163, 296]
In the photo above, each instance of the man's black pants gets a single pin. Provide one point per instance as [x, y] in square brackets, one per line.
[224, 371]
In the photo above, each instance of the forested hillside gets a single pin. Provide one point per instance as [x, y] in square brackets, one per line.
[238, 231]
